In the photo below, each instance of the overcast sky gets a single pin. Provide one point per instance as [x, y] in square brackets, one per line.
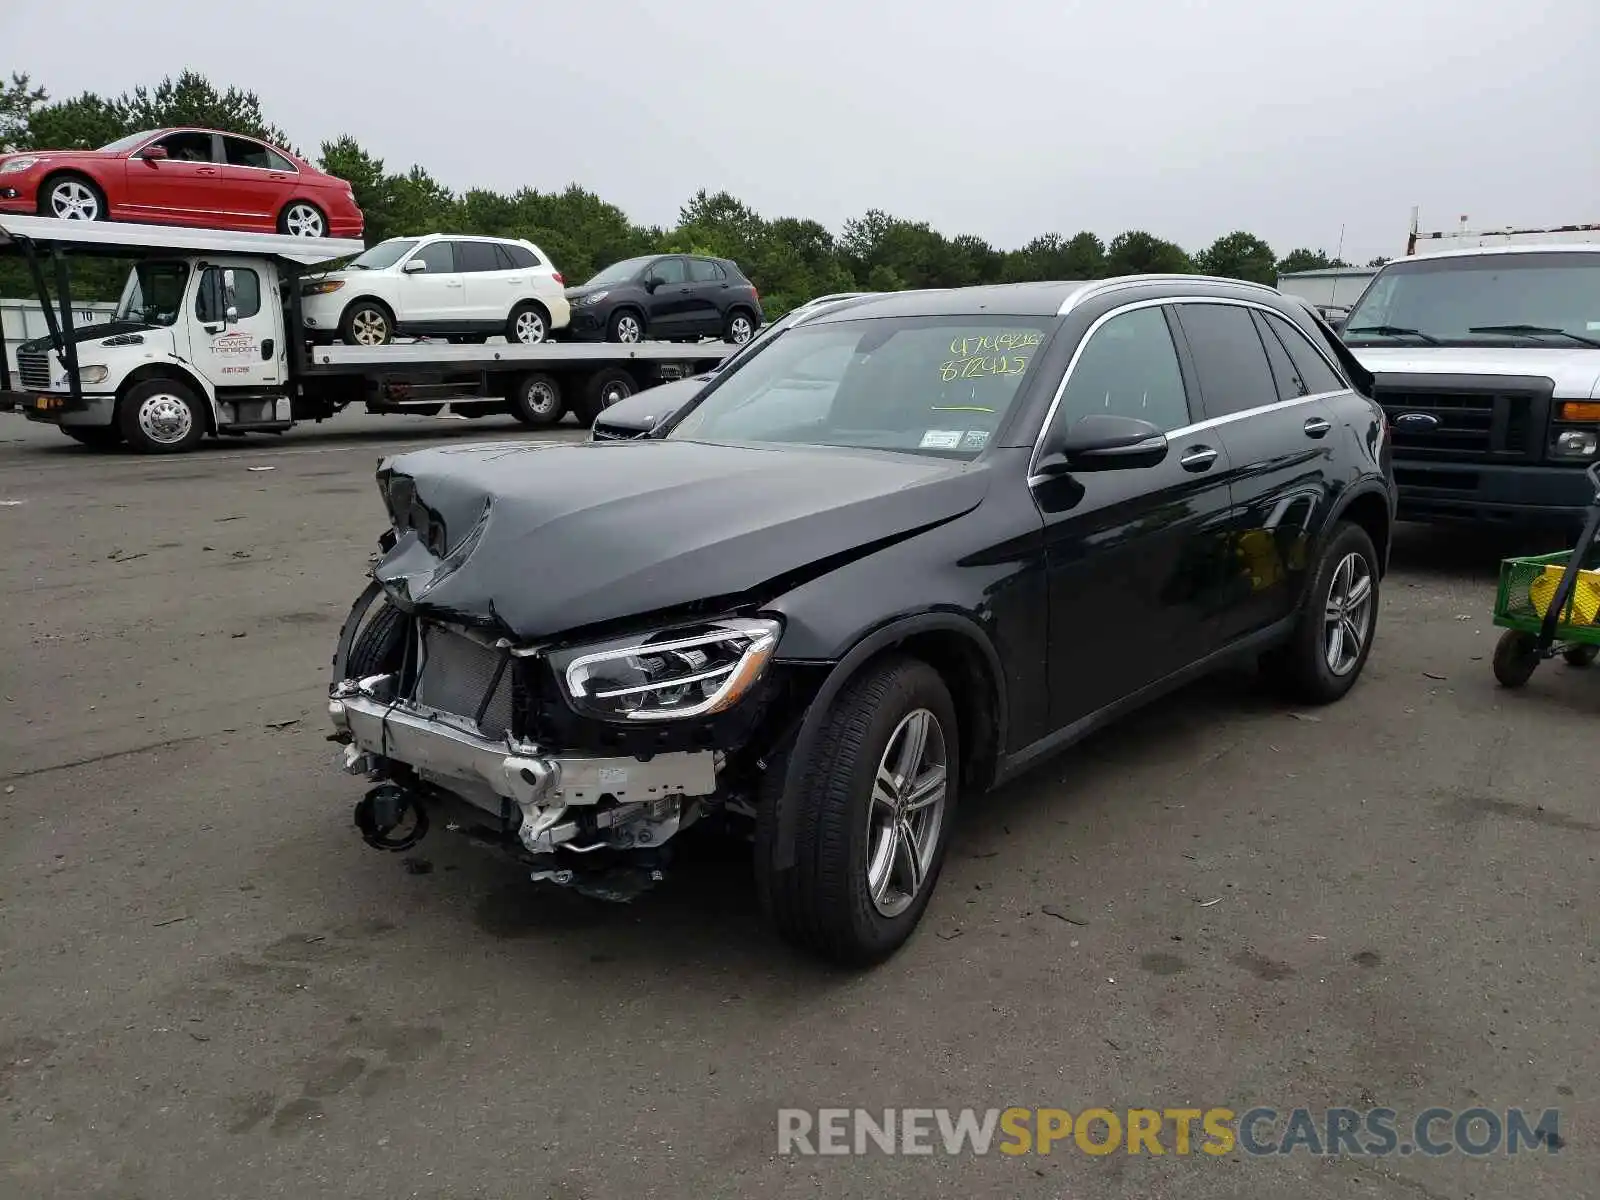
[1185, 118]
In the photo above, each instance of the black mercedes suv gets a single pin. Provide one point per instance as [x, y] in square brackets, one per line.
[890, 559]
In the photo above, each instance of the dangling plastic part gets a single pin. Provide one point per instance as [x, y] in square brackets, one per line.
[382, 810]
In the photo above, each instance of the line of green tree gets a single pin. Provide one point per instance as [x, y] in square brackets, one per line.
[791, 259]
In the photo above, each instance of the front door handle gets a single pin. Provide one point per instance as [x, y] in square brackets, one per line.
[1199, 458]
[1317, 427]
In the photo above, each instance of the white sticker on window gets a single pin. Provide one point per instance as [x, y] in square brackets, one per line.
[1592, 326]
[975, 439]
[941, 439]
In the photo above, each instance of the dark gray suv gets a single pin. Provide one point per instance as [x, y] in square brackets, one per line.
[672, 297]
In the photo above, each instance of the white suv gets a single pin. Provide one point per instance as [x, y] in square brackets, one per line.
[443, 285]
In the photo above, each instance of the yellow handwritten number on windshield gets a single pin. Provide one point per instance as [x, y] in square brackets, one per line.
[981, 366]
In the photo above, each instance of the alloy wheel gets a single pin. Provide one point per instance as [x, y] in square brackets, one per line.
[741, 329]
[74, 201]
[628, 329]
[529, 328]
[370, 327]
[907, 812]
[1347, 618]
[303, 221]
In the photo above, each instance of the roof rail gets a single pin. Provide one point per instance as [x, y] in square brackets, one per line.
[1101, 286]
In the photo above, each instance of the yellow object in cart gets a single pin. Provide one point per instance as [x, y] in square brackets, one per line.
[1585, 594]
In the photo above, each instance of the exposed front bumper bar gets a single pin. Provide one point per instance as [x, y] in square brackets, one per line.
[518, 771]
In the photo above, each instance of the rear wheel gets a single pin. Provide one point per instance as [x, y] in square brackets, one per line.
[1580, 656]
[161, 416]
[301, 218]
[1333, 634]
[873, 807]
[101, 437]
[528, 325]
[536, 402]
[741, 327]
[72, 198]
[366, 323]
[606, 387]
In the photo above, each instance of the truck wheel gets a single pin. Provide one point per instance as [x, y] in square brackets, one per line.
[873, 808]
[527, 326]
[161, 416]
[626, 325]
[301, 218]
[1516, 657]
[366, 323]
[741, 327]
[101, 437]
[1332, 638]
[605, 388]
[537, 400]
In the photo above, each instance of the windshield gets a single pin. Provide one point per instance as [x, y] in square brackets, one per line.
[129, 142]
[384, 254]
[923, 385]
[1472, 300]
[153, 294]
[618, 272]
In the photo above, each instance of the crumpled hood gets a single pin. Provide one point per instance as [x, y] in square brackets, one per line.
[1574, 370]
[534, 539]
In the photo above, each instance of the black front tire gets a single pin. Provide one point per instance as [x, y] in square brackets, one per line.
[823, 903]
[161, 416]
[1300, 668]
[1516, 658]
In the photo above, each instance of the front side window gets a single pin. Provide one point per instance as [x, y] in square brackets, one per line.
[1527, 298]
[1128, 368]
[210, 304]
[154, 294]
[438, 257]
[920, 385]
[188, 146]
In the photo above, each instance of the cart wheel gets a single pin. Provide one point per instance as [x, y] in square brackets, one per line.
[1580, 656]
[1515, 658]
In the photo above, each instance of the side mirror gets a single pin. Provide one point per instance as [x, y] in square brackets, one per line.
[1102, 442]
[415, 267]
[154, 153]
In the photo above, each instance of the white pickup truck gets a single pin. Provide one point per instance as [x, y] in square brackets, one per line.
[201, 345]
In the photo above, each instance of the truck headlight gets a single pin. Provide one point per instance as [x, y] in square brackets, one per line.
[674, 674]
[1577, 443]
[86, 376]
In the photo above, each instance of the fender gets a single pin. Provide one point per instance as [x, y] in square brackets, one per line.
[873, 643]
[1367, 485]
[178, 369]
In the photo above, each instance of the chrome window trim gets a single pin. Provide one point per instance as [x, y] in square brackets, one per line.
[1185, 430]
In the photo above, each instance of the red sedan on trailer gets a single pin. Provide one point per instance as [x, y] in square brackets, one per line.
[200, 177]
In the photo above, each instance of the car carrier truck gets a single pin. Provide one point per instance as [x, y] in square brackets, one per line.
[207, 339]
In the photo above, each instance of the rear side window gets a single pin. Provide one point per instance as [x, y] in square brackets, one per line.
[517, 258]
[668, 270]
[1229, 357]
[477, 256]
[242, 152]
[703, 270]
[439, 257]
[1315, 374]
[1128, 368]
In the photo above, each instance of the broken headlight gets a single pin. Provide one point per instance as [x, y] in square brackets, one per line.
[695, 672]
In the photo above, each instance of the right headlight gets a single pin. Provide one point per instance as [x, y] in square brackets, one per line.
[592, 298]
[672, 675]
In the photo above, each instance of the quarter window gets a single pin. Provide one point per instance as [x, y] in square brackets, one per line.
[1315, 373]
[1129, 368]
[518, 258]
[1229, 358]
[1284, 374]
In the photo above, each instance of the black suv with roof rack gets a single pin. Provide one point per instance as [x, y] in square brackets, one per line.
[891, 558]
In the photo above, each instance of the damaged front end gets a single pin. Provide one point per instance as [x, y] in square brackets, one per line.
[584, 762]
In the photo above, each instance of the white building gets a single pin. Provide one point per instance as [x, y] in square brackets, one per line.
[1338, 286]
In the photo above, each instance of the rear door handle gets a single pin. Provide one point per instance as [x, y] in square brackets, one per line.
[206, 171]
[1199, 458]
[1317, 427]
